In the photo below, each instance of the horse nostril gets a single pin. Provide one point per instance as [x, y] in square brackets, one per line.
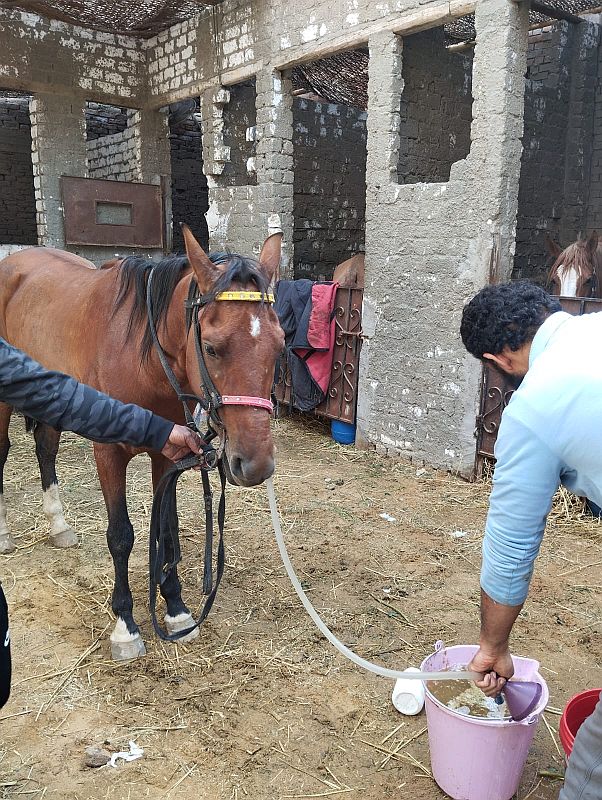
[236, 465]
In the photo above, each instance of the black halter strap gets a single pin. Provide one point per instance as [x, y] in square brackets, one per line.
[164, 527]
[164, 518]
[213, 398]
[183, 397]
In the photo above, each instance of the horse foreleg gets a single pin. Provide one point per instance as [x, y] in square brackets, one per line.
[178, 616]
[112, 461]
[47, 446]
[7, 545]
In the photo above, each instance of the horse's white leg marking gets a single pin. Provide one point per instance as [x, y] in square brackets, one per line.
[125, 645]
[6, 543]
[255, 326]
[568, 281]
[61, 534]
[179, 623]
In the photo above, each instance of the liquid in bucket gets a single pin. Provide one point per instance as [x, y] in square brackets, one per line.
[467, 699]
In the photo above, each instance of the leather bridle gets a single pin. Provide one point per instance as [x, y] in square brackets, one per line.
[164, 520]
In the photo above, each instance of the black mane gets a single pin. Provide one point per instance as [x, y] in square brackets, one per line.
[134, 273]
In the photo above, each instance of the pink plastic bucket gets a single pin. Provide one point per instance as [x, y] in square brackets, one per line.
[478, 759]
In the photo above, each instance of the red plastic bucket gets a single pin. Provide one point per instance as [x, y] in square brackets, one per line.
[576, 711]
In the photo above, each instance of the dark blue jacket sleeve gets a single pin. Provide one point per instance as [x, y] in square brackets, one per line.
[67, 405]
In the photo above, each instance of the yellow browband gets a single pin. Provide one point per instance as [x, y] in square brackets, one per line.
[252, 296]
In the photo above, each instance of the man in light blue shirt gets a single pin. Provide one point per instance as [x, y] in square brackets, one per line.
[550, 434]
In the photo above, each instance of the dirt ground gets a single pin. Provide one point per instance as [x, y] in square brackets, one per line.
[261, 706]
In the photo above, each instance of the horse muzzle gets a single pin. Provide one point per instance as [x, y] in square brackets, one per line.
[244, 471]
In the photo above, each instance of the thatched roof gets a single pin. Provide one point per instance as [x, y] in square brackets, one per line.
[147, 17]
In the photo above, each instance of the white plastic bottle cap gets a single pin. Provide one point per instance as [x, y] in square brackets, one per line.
[408, 695]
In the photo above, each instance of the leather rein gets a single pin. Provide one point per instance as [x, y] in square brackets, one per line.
[164, 529]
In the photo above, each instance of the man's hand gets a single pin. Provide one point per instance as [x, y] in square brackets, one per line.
[494, 664]
[493, 657]
[182, 441]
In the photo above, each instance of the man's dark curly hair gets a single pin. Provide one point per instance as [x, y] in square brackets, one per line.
[507, 314]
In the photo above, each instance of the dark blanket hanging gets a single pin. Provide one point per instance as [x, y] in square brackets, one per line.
[306, 313]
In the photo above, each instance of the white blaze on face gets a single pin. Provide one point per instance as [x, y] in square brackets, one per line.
[568, 281]
[255, 326]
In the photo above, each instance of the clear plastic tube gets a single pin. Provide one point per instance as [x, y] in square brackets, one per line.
[452, 675]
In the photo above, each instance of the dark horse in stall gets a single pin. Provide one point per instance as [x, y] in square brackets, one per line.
[577, 269]
[93, 324]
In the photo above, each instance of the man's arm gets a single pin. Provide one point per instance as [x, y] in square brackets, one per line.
[65, 404]
[526, 477]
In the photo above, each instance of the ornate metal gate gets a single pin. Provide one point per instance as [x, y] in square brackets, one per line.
[496, 390]
[341, 397]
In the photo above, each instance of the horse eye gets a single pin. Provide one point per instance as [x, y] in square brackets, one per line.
[210, 350]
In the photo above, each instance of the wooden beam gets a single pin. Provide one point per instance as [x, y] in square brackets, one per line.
[555, 13]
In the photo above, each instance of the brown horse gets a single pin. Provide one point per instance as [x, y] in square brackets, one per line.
[577, 270]
[93, 325]
[350, 273]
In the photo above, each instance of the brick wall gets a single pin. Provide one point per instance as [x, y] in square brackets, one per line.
[17, 198]
[240, 118]
[329, 186]
[558, 179]
[189, 192]
[114, 156]
[436, 108]
[594, 210]
[40, 54]
[104, 120]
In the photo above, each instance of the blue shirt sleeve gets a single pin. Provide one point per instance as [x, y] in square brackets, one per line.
[526, 476]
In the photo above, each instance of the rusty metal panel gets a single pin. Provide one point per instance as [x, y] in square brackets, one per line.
[112, 213]
[341, 398]
[497, 389]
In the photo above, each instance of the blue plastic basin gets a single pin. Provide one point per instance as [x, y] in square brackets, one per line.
[342, 432]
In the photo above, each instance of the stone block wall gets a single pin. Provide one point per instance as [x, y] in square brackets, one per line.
[114, 156]
[17, 198]
[240, 119]
[594, 206]
[189, 191]
[428, 248]
[47, 55]
[172, 58]
[436, 108]
[329, 163]
[558, 179]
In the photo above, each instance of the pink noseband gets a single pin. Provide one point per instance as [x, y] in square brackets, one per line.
[247, 400]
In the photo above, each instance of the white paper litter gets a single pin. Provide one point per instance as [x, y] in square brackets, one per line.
[388, 517]
[458, 534]
[135, 752]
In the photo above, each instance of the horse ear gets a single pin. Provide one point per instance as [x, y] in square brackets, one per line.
[205, 270]
[592, 242]
[554, 249]
[269, 258]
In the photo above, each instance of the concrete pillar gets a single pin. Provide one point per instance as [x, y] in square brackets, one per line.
[242, 216]
[429, 246]
[153, 157]
[58, 138]
[275, 160]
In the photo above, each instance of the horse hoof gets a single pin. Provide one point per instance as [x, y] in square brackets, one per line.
[66, 538]
[180, 623]
[7, 545]
[126, 651]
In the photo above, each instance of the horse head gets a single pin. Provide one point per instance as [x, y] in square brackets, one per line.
[574, 272]
[350, 273]
[239, 344]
